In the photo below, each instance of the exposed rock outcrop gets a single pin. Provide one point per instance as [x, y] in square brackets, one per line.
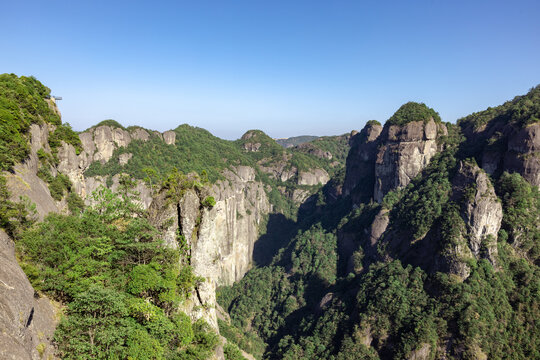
[360, 167]
[309, 148]
[404, 151]
[27, 321]
[481, 210]
[474, 236]
[221, 238]
[523, 155]
[99, 144]
[169, 137]
[24, 182]
[280, 170]
[124, 158]
[423, 352]
[313, 177]
[507, 137]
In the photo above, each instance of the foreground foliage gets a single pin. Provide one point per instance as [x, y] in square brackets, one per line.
[122, 287]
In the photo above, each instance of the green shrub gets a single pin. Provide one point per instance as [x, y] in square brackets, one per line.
[413, 111]
[209, 201]
[75, 203]
[232, 352]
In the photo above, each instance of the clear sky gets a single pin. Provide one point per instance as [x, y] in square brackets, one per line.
[286, 67]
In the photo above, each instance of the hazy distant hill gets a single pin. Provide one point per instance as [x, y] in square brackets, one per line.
[295, 140]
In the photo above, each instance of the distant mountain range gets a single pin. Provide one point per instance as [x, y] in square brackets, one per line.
[295, 140]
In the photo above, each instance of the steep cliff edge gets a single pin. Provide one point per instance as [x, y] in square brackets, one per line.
[474, 237]
[382, 159]
[27, 320]
[23, 181]
[507, 137]
[360, 167]
[220, 238]
[29, 117]
[405, 150]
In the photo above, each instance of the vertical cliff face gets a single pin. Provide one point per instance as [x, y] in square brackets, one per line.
[27, 321]
[360, 166]
[404, 151]
[24, 182]
[507, 137]
[481, 213]
[383, 159]
[523, 155]
[507, 147]
[220, 238]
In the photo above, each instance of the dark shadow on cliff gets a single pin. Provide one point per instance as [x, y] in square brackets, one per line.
[279, 231]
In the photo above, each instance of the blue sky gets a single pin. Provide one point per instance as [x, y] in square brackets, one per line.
[286, 67]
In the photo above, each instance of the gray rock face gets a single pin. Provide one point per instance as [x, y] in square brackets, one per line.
[124, 158]
[252, 147]
[508, 147]
[312, 150]
[27, 322]
[139, 134]
[279, 169]
[169, 137]
[360, 168]
[106, 139]
[221, 237]
[98, 145]
[523, 155]
[404, 152]
[378, 227]
[423, 352]
[313, 177]
[24, 182]
[482, 214]
[299, 195]
[482, 211]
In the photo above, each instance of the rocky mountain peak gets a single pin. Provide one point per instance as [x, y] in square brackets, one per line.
[253, 140]
[360, 168]
[404, 151]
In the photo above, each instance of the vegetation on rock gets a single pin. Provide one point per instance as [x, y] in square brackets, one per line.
[22, 103]
[341, 280]
[122, 287]
[413, 111]
[522, 110]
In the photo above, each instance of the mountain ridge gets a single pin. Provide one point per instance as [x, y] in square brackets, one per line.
[406, 247]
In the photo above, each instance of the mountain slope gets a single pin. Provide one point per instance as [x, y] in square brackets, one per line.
[443, 265]
[424, 244]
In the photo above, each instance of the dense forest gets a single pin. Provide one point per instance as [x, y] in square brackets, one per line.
[390, 301]
[445, 266]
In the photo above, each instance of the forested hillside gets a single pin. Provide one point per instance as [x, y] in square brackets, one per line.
[411, 239]
[445, 266]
